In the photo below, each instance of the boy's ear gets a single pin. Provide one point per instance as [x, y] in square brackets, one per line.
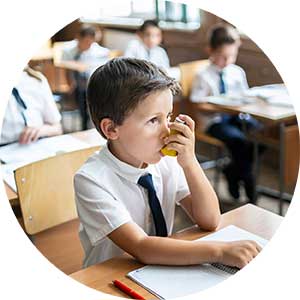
[109, 129]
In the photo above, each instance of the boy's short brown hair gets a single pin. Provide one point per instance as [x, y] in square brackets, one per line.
[116, 88]
[87, 30]
[222, 34]
[147, 24]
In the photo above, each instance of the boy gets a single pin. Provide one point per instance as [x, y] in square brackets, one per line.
[85, 50]
[147, 47]
[222, 76]
[126, 194]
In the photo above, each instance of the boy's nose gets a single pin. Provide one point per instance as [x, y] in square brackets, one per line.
[165, 130]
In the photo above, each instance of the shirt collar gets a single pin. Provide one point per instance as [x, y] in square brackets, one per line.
[125, 170]
[217, 69]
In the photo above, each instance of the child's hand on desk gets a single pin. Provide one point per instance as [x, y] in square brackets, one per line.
[183, 142]
[30, 134]
[238, 253]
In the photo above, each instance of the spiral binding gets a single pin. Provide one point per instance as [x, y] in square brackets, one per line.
[227, 269]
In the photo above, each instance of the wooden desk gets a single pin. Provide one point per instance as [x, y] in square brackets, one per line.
[100, 276]
[271, 116]
[89, 136]
[72, 65]
[261, 110]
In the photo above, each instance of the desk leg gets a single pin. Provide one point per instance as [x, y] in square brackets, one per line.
[256, 165]
[281, 166]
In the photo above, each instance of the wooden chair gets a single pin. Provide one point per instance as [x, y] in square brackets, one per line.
[188, 72]
[115, 53]
[46, 196]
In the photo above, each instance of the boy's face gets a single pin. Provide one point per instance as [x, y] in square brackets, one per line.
[224, 55]
[151, 37]
[141, 136]
[84, 43]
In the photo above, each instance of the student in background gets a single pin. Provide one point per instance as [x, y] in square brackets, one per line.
[31, 111]
[84, 49]
[147, 46]
[222, 76]
[125, 195]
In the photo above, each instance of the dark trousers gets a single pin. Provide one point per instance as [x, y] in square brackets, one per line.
[80, 95]
[230, 131]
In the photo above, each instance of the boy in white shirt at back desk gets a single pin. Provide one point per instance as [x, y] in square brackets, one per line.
[84, 49]
[222, 76]
[126, 193]
[147, 46]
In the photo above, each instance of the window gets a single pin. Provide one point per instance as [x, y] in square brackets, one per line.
[133, 12]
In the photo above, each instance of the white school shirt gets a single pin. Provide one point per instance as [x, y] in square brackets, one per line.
[207, 83]
[108, 196]
[156, 55]
[94, 57]
[41, 108]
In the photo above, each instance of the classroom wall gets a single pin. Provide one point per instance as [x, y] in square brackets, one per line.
[183, 46]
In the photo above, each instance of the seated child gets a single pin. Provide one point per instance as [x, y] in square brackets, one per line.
[31, 111]
[84, 49]
[126, 193]
[222, 76]
[147, 46]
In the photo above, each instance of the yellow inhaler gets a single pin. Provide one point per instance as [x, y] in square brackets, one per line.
[165, 150]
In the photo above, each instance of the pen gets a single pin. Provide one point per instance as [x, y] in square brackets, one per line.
[127, 290]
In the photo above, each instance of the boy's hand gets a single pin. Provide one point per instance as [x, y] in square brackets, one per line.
[238, 253]
[184, 141]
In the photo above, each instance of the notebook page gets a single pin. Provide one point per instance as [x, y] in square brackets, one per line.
[174, 281]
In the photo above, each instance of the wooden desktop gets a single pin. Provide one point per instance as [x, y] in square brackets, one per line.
[100, 276]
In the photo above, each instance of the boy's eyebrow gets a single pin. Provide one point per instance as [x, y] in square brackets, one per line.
[157, 113]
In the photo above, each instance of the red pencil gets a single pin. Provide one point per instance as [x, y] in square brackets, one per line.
[127, 290]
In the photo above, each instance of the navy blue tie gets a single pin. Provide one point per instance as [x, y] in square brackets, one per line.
[222, 83]
[157, 214]
[21, 102]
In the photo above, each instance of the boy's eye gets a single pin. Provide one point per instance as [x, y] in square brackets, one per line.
[153, 120]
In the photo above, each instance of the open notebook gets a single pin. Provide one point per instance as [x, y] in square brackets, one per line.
[176, 281]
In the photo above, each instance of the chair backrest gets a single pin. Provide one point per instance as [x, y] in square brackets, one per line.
[115, 53]
[188, 72]
[45, 190]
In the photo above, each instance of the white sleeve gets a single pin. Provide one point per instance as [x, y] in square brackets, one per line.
[200, 89]
[99, 212]
[50, 111]
[131, 49]
[166, 61]
[67, 55]
[244, 83]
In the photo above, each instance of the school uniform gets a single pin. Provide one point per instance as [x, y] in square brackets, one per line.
[108, 195]
[93, 57]
[156, 55]
[231, 80]
[40, 108]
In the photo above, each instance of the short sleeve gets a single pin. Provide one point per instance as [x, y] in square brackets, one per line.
[130, 51]
[50, 111]
[200, 89]
[98, 211]
[244, 82]
[166, 61]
